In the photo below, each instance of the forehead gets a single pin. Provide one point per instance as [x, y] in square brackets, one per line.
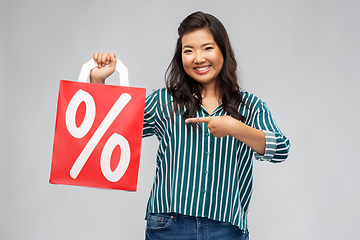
[197, 37]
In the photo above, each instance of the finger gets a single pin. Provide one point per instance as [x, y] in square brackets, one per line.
[198, 120]
[98, 59]
[112, 60]
[95, 56]
[103, 59]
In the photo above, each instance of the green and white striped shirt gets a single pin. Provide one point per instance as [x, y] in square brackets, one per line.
[200, 175]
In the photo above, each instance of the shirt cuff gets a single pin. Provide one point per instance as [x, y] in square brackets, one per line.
[270, 148]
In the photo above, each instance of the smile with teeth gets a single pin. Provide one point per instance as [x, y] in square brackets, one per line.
[202, 69]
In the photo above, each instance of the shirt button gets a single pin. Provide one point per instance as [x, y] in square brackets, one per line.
[207, 153]
[203, 191]
[205, 172]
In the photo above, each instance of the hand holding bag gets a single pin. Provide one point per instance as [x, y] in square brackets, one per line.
[98, 132]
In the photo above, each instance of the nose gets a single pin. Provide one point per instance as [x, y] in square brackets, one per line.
[199, 58]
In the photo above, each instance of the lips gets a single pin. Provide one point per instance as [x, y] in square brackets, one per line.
[202, 69]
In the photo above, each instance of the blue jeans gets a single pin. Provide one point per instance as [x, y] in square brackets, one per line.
[169, 226]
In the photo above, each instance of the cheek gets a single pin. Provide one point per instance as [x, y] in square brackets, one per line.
[221, 65]
[183, 61]
[220, 61]
[186, 63]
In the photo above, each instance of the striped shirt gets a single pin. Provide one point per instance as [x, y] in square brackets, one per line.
[200, 175]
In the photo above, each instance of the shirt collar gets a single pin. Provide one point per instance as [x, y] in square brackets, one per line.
[219, 108]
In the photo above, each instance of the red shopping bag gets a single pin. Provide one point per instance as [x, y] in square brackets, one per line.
[98, 133]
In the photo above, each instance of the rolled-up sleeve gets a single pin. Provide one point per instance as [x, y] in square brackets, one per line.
[277, 144]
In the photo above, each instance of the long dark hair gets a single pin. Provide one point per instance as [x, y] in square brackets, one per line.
[185, 90]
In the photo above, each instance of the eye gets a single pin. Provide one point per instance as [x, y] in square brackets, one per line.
[208, 48]
[187, 51]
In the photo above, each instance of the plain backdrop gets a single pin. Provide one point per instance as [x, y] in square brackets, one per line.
[301, 57]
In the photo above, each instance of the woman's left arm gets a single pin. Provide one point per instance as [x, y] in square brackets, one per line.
[221, 126]
[263, 136]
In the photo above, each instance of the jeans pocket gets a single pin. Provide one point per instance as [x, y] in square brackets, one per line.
[158, 221]
[234, 231]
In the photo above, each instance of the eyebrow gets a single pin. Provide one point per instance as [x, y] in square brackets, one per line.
[210, 43]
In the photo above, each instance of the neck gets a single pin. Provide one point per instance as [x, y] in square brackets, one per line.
[209, 91]
[210, 99]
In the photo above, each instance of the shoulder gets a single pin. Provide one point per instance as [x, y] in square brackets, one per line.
[160, 97]
[252, 101]
[160, 91]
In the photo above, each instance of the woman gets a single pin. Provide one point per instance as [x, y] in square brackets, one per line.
[208, 132]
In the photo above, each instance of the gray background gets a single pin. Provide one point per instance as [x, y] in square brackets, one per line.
[301, 57]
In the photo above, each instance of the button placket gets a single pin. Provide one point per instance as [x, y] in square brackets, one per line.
[207, 156]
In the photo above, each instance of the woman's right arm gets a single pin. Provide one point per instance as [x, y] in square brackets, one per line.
[106, 64]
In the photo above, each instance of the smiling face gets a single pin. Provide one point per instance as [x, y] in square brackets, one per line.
[202, 59]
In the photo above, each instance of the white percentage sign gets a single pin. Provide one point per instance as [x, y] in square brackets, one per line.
[112, 142]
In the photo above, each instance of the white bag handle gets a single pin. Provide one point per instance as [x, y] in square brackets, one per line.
[120, 67]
